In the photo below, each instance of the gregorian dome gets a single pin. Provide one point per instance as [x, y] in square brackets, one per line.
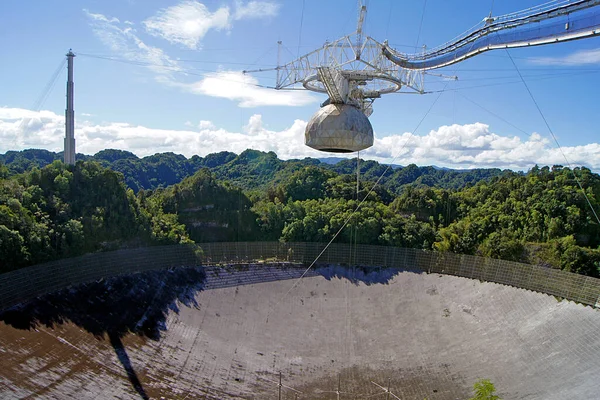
[339, 128]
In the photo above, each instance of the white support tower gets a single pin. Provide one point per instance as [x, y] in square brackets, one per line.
[69, 152]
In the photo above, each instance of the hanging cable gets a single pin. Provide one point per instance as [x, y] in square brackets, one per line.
[497, 84]
[387, 29]
[371, 190]
[44, 94]
[171, 69]
[49, 86]
[454, 108]
[493, 113]
[360, 204]
[420, 25]
[357, 174]
[177, 68]
[353, 245]
[300, 30]
[554, 137]
[270, 49]
[357, 200]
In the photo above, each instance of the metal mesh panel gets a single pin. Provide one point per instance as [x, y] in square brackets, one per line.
[27, 283]
[24, 284]
[242, 337]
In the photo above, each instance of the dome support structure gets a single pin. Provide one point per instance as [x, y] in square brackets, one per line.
[356, 69]
[352, 71]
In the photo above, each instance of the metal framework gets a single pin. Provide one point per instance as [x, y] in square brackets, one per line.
[360, 61]
[551, 22]
[356, 70]
[350, 70]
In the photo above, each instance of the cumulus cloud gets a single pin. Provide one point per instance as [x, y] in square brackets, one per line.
[454, 146]
[21, 128]
[578, 58]
[206, 125]
[47, 131]
[189, 21]
[255, 9]
[474, 146]
[245, 89]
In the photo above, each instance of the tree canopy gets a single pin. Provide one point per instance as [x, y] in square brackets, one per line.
[117, 199]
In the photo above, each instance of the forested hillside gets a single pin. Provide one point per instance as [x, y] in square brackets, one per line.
[63, 211]
[250, 170]
[210, 210]
[541, 217]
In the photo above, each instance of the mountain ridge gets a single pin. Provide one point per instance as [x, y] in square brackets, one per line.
[250, 170]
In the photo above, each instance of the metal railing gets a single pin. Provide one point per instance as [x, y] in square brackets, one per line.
[535, 26]
[548, 9]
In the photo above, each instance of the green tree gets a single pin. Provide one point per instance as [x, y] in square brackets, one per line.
[306, 184]
[484, 390]
[13, 252]
[503, 245]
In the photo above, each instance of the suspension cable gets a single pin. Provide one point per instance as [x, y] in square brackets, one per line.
[50, 85]
[170, 69]
[387, 29]
[300, 30]
[554, 137]
[360, 204]
[371, 190]
[44, 94]
[493, 113]
[420, 25]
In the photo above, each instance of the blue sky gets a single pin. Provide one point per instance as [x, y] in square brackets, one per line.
[173, 81]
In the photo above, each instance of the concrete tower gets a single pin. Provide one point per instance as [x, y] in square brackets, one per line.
[70, 114]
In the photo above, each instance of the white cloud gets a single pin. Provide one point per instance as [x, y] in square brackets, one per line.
[187, 23]
[202, 125]
[581, 57]
[100, 17]
[232, 85]
[206, 125]
[47, 131]
[474, 146]
[21, 128]
[255, 125]
[255, 9]
[125, 42]
[236, 86]
[455, 146]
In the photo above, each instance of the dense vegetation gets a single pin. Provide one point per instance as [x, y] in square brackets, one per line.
[60, 211]
[249, 170]
[56, 211]
[484, 390]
